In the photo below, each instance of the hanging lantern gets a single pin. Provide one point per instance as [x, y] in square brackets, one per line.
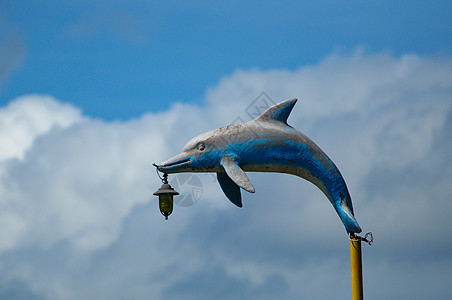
[166, 194]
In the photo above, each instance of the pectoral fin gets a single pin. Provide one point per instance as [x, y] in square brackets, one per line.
[230, 189]
[237, 175]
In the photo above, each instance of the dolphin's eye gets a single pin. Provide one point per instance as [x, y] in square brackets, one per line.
[201, 147]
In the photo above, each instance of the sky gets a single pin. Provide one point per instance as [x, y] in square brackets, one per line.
[93, 92]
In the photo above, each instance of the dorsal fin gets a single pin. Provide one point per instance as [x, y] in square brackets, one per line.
[278, 112]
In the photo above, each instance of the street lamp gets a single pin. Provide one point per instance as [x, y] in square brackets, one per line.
[267, 144]
[166, 194]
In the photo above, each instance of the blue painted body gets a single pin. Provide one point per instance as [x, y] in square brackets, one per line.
[266, 144]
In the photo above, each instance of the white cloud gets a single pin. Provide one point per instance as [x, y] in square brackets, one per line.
[29, 117]
[76, 192]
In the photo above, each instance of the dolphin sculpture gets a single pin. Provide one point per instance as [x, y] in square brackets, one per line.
[265, 144]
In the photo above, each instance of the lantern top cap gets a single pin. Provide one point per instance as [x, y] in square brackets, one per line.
[165, 189]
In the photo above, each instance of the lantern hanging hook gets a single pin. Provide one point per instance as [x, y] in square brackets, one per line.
[165, 176]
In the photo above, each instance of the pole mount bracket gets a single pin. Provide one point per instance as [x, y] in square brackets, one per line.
[368, 237]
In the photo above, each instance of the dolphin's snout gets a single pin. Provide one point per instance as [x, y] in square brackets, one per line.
[174, 164]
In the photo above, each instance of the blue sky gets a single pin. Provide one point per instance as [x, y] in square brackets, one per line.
[117, 60]
[92, 93]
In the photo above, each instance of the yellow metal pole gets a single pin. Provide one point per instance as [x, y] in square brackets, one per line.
[357, 269]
